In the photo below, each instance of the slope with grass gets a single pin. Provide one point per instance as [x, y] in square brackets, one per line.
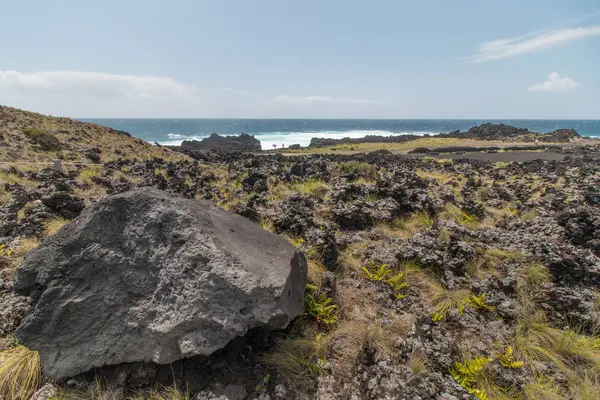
[27, 137]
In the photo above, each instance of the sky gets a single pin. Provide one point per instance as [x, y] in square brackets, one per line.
[413, 59]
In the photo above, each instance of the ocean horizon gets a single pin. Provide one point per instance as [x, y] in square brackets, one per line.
[286, 132]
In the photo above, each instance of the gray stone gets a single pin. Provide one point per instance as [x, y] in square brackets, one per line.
[148, 276]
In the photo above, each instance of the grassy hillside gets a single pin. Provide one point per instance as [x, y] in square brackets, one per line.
[30, 137]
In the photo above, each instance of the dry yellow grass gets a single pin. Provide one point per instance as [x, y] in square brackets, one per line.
[20, 373]
[316, 272]
[408, 226]
[404, 147]
[89, 173]
[299, 361]
[12, 255]
[53, 225]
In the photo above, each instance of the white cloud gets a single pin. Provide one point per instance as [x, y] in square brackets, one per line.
[555, 83]
[96, 94]
[530, 43]
[94, 83]
[316, 100]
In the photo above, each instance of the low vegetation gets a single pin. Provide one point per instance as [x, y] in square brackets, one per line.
[312, 186]
[44, 140]
[20, 373]
[467, 374]
[320, 307]
[299, 361]
[54, 225]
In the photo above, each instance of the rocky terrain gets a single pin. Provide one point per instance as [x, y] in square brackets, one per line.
[324, 142]
[427, 278]
[507, 132]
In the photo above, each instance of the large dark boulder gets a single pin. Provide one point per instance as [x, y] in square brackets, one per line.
[148, 276]
[215, 142]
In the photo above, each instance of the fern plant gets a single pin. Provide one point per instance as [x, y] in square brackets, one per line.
[478, 303]
[467, 374]
[377, 274]
[4, 252]
[437, 317]
[396, 282]
[320, 307]
[507, 359]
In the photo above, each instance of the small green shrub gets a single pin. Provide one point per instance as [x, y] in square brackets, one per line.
[45, 140]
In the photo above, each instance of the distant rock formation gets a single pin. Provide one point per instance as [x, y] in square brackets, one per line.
[563, 135]
[151, 276]
[324, 142]
[503, 132]
[241, 143]
[499, 132]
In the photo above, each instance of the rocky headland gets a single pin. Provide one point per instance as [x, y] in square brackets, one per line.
[178, 277]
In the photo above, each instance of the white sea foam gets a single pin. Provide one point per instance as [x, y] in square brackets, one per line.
[176, 136]
[268, 139]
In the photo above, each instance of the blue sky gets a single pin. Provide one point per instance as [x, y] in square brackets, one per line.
[302, 59]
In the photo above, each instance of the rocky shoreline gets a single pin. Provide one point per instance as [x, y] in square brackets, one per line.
[487, 132]
[427, 278]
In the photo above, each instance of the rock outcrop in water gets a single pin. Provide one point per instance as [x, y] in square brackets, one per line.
[241, 143]
[148, 276]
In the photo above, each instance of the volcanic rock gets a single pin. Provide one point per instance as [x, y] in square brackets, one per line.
[242, 143]
[149, 276]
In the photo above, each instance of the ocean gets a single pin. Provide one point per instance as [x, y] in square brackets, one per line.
[299, 131]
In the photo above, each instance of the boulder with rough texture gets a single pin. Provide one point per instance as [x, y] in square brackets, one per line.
[148, 276]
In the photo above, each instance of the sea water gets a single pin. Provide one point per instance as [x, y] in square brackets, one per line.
[285, 132]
